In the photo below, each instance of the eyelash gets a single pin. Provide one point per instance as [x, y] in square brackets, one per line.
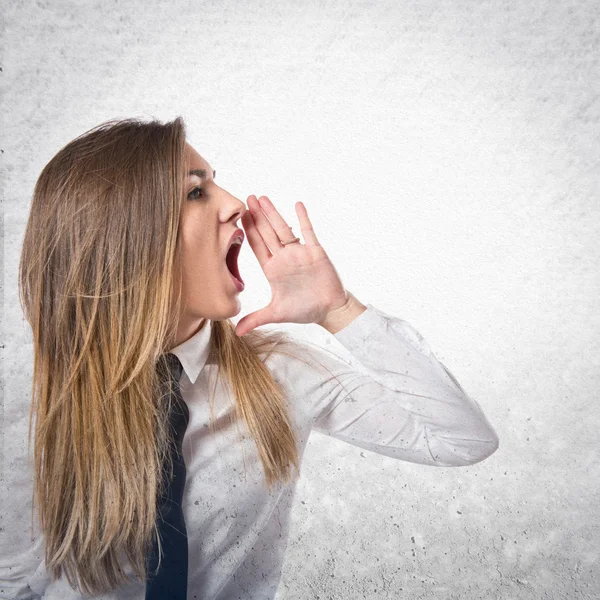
[193, 190]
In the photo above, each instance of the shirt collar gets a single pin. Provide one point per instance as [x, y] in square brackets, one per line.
[193, 353]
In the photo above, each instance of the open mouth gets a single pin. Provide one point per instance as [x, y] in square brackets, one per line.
[231, 261]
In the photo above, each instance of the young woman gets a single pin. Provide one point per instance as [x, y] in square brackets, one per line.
[128, 273]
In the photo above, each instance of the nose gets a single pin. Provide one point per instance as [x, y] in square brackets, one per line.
[241, 210]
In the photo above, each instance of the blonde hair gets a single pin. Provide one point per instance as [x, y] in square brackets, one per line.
[98, 264]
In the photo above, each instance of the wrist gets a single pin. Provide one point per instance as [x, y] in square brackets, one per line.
[341, 317]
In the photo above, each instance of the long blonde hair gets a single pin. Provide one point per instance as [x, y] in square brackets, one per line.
[100, 255]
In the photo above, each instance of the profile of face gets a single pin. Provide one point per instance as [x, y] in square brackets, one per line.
[209, 218]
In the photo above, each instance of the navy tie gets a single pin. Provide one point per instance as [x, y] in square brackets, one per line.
[170, 583]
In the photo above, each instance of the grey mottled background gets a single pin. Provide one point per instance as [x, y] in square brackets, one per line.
[448, 155]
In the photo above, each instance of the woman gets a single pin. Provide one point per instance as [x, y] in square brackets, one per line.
[129, 279]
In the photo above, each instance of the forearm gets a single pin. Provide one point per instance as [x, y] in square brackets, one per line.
[404, 402]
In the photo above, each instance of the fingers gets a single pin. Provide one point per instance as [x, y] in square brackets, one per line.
[305, 225]
[266, 227]
[254, 238]
[263, 226]
[272, 225]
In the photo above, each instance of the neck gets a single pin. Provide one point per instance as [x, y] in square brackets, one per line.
[186, 330]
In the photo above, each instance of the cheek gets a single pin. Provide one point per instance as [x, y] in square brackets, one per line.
[193, 239]
[201, 261]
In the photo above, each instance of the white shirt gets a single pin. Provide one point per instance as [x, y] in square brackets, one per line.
[407, 406]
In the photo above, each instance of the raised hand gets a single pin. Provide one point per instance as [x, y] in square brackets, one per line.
[305, 286]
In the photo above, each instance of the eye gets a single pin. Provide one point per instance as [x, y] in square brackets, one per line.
[191, 195]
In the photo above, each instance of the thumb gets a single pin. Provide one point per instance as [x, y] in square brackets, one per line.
[252, 320]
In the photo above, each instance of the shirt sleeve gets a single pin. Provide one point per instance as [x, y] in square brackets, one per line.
[22, 568]
[407, 405]
[22, 574]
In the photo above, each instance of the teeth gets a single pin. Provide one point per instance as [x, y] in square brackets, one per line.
[237, 241]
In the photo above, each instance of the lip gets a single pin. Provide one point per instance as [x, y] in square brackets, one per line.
[234, 235]
[238, 284]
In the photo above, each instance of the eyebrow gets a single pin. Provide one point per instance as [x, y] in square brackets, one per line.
[201, 173]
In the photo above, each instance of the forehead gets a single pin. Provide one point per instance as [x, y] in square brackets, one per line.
[196, 162]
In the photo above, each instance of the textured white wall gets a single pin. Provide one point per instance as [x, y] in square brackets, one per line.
[447, 153]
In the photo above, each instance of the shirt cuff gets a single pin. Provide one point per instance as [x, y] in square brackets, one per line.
[361, 328]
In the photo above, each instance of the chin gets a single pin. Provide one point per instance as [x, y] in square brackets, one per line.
[225, 310]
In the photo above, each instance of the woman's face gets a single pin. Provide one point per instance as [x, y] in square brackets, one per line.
[209, 218]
